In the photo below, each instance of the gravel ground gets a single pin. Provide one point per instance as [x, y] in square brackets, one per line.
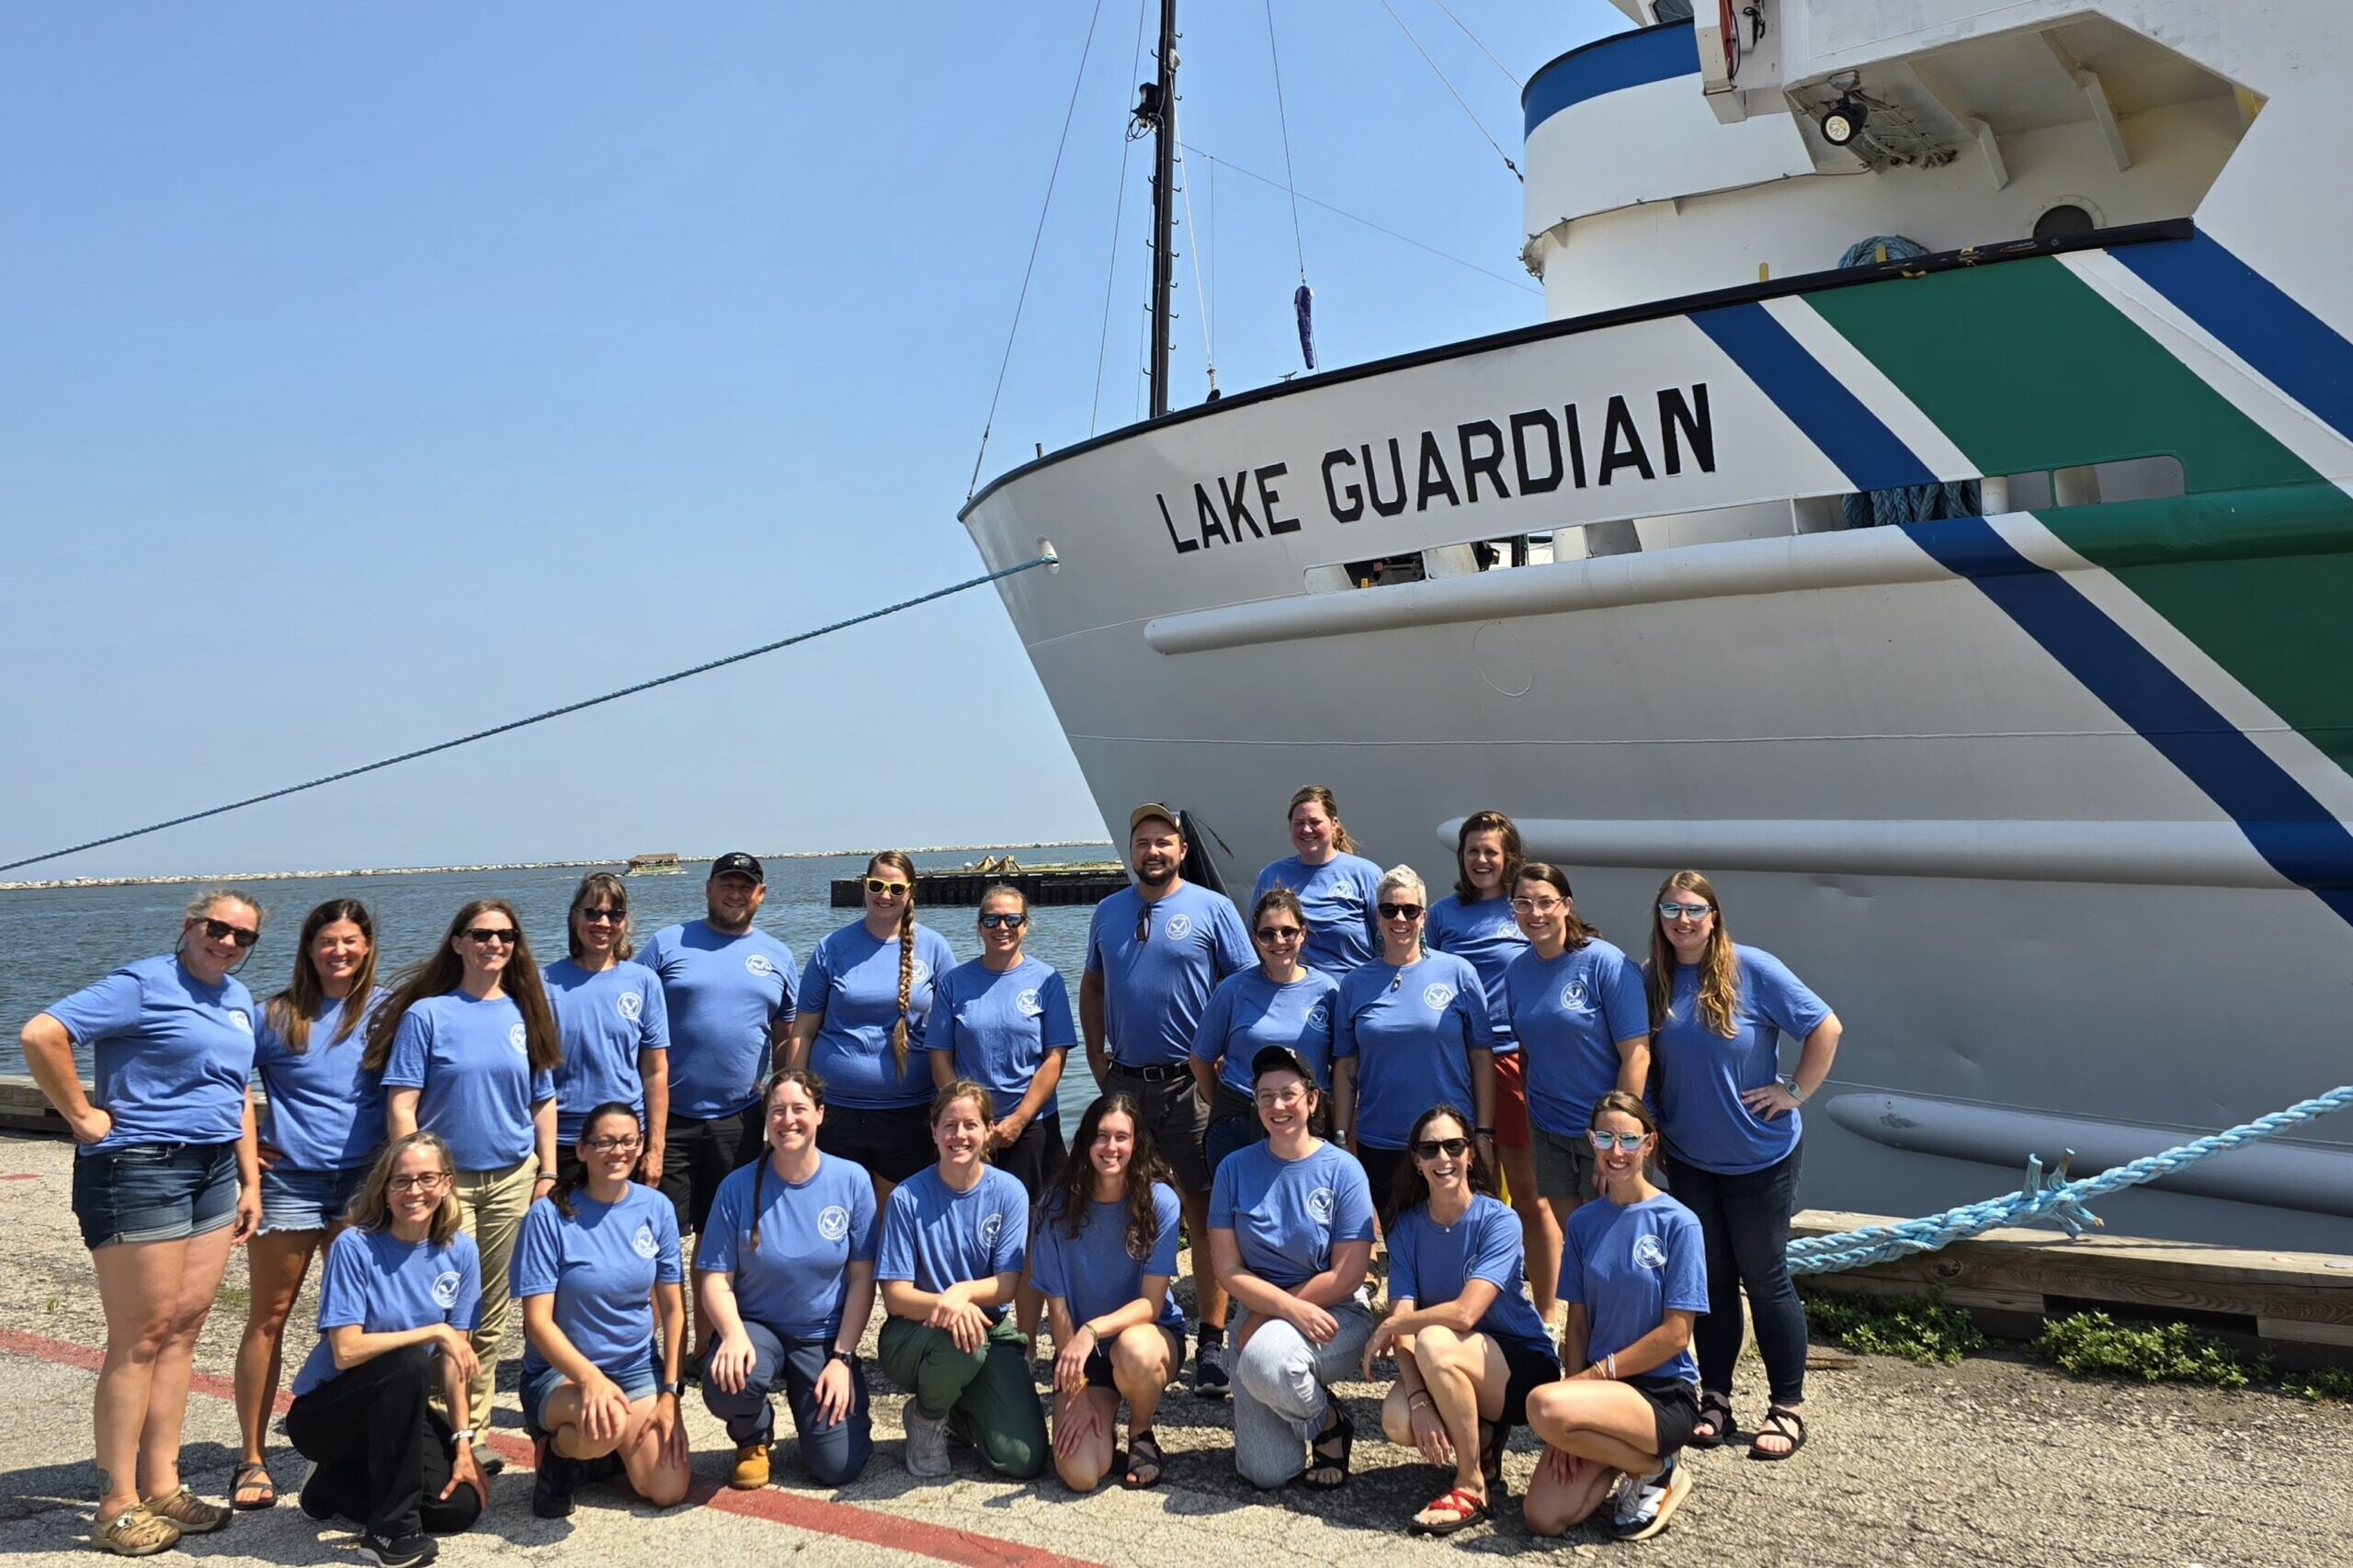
[1995, 1461]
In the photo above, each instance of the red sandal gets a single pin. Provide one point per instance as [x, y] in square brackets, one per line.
[1467, 1509]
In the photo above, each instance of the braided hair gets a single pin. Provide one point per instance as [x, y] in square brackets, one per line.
[893, 861]
[809, 1084]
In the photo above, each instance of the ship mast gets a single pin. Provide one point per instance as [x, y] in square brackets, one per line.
[1164, 204]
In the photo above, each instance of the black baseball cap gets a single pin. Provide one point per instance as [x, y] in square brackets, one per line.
[1280, 1059]
[735, 863]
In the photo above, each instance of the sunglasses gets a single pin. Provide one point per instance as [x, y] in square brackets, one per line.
[507, 934]
[1685, 911]
[995, 922]
[221, 931]
[604, 916]
[1143, 925]
[1431, 1148]
[889, 890]
[425, 1183]
[1401, 911]
[1624, 1143]
[628, 1145]
[1270, 934]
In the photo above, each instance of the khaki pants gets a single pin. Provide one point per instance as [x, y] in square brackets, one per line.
[491, 1204]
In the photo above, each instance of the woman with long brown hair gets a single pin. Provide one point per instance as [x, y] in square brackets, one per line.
[326, 1123]
[1337, 886]
[467, 1047]
[615, 1025]
[865, 999]
[1731, 1129]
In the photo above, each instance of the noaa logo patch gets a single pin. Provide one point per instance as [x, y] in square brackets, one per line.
[917, 972]
[1179, 927]
[238, 1016]
[630, 1005]
[1648, 1254]
[445, 1289]
[518, 1037]
[1437, 994]
[758, 963]
[832, 1222]
[1319, 1017]
[1573, 996]
[1319, 1205]
[991, 1227]
[643, 1243]
[1027, 1004]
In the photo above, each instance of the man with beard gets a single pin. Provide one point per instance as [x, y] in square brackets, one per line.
[728, 990]
[1154, 952]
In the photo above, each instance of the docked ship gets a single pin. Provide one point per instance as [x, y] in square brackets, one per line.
[1923, 509]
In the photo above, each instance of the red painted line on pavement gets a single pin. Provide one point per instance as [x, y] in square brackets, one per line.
[21, 1176]
[842, 1520]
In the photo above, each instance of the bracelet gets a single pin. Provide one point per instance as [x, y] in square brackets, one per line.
[1612, 1360]
[1422, 1394]
[1483, 1133]
[1089, 1329]
[464, 1434]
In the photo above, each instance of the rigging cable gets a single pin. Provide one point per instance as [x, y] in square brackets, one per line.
[1209, 353]
[1118, 207]
[1045, 207]
[1490, 53]
[1283, 119]
[1451, 88]
[1047, 559]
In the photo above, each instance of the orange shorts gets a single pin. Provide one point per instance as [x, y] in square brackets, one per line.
[1511, 1103]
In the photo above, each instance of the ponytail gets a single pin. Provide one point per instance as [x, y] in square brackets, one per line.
[906, 985]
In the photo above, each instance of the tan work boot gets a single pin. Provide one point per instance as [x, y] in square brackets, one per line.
[751, 1471]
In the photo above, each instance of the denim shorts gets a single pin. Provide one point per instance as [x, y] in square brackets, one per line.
[639, 1381]
[154, 1192]
[306, 1201]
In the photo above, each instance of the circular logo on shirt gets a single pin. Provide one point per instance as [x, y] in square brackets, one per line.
[1437, 994]
[1179, 927]
[1573, 996]
[519, 1038]
[832, 1222]
[643, 1243]
[243, 1021]
[917, 972]
[445, 1289]
[991, 1227]
[630, 1003]
[1319, 1017]
[758, 963]
[1027, 1004]
[1319, 1205]
[1648, 1254]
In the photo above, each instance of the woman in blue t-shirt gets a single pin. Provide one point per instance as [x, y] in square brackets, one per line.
[1730, 1122]
[954, 1239]
[1337, 886]
[1102, 1252]
[597, 1272]
[865, 999]
[399, 1293]
[468, 1045]
[1470, 1347]
[1290, 1238]
[1633, 1276]
[161, 1189]
[786, 1273]
[614, 1020]
[1282, 1001]
[1003, 1020]
[326, 1123]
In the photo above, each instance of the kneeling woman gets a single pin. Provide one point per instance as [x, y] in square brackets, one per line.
[953, 1241]
[1470, 1347]
[1290, 1236]
[399, 1293]
[1633, 1276]
[1103, 1254]
[595, 1268]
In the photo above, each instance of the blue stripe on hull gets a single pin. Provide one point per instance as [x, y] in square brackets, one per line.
[1850, 436]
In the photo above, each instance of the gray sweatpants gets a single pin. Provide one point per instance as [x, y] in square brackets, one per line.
[1279, 1402]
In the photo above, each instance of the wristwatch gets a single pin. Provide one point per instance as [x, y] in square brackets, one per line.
[846, 1358]
[676, 1389]
[1790, 1085]
[1483, 1131]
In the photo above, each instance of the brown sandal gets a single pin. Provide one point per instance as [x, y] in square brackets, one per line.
[135, 1533]
[191, 1512]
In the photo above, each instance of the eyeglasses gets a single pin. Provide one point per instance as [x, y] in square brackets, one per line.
[1536, 906]
[629, 1145]
[426, 1183]
[221, 931]
[1624, 1143]
[1273, 934]
[1431, 1148]
[604, 916]
[1401, 911]
[507, 934]
[992, 922]
[1272, 1099]
[889, 890]
[1686, 911]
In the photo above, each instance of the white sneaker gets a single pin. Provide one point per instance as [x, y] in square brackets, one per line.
[1645, 1502]
[926, 1443]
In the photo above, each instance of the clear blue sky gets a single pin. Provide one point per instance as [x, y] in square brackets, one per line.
[373, 373]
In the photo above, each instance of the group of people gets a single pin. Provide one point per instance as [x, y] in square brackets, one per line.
[1350, 1068]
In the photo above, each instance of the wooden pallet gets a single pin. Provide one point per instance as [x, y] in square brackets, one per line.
[2297, 1307]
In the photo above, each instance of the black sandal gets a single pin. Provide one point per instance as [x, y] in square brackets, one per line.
[248, 1477]
[1492, 1437]
[1779, 1419]
[1716, 1410]
[1143, 1453]
[1341, 1434]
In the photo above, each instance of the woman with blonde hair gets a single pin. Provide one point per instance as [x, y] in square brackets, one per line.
[399, 1296]
[1731, 1128]
[615, 1024]
[865, 1002]
[1337, 886]
[467, 1047]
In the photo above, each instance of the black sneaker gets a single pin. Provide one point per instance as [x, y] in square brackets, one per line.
[317, 1502]
[404, 1551]
[1209, 1380]
[553, 1483]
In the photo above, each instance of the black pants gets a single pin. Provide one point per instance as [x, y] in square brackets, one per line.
[1746, 1222]
[383, 1455]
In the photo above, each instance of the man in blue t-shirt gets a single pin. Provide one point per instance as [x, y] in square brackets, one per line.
[1155, 953]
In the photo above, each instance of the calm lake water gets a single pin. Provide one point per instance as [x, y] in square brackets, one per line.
[62, 939]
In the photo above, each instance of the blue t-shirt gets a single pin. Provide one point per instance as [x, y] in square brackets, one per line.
[378, 1283]
[1702, 1075]
[934, 1236]
[601, 1266]
[472, 1062]
[996, 1027]
[607, 1020]
[726, 997]
[324, 1113]
[1338, 898]
[1155, 990]
[853, 979]
[793, 1282]
[1487, 934]
[1248, 1012]
[1431, 1264]
[1288, 1215]
[1094, 1274]
[170, 1054]
[1629, 1266]
[1570, 1014]
[1411, 1033]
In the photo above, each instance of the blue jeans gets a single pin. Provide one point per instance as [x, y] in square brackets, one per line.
[834, 1455]
[1746, 1222]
